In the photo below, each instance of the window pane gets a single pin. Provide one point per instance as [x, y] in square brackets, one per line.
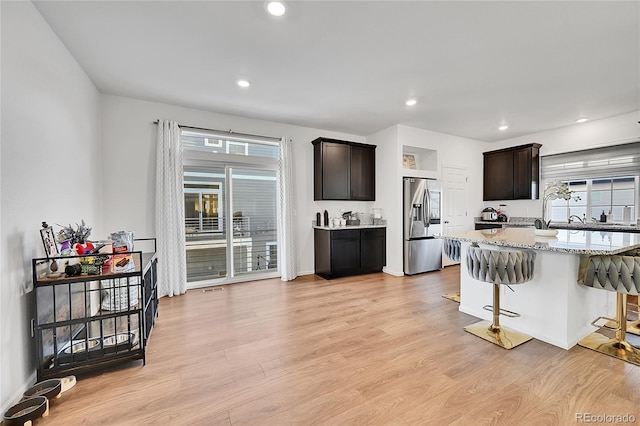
[206, 239]
[606, 195]
[205, 142]
[559, 211]
[577, 207]
[254, 211]
[623, 197]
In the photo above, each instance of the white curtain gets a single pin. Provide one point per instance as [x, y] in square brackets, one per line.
[286, 220]
[172, 273]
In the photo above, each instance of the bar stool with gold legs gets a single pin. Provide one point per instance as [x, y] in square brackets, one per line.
[619, 273]
[633, 327]
[500, 267]
[452, 250]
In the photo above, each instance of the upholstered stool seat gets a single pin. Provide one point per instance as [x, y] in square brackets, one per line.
[620, 274]
[499, 267]
[452, 249]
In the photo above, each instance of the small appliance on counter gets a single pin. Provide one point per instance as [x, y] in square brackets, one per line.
[502, 213]
[365, 218]
[489, 214]
[377, 217]
[350, 219]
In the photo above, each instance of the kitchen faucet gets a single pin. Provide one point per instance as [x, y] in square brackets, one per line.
[577, 217]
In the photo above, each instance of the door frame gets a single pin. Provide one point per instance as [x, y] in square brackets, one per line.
[445, 194]
[201, 159]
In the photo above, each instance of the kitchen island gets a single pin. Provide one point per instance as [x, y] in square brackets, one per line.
[554, 308]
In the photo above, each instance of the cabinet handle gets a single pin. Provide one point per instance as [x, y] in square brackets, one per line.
[446, 221]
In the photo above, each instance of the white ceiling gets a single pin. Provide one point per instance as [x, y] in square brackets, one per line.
[350, 66]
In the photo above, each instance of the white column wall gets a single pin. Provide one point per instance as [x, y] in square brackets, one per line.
[452, 150]
[50, 170]
[387, 195]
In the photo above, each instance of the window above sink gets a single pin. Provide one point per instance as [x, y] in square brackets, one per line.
[598, 196]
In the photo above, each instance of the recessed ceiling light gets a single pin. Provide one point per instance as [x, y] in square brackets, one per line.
[582, 120]
[243, 83]
[411, 102]
[503, 127]
[276, 8]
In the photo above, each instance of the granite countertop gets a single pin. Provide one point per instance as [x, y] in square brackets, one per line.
[567, 241]
[529, 221]
[595, 225]
[342, 228]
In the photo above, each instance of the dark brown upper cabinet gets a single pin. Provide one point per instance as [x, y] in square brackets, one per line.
[512, 173]
[343, 170]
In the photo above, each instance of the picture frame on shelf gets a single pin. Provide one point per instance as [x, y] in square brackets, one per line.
[408, 161]
[49, 242]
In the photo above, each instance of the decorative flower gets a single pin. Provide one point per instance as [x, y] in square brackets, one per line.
[79, 234]
[554, 190]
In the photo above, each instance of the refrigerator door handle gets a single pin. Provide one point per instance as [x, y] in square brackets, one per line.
[410, 220]
[426, 202]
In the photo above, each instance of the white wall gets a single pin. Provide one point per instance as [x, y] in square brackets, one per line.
[49, 166]
[128, 184]
[452, 150]
[592, 134]
[388, 197]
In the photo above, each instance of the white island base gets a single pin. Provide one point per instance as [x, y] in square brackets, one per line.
[553, 307]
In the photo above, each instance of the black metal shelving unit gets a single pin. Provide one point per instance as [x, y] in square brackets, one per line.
[91, 321]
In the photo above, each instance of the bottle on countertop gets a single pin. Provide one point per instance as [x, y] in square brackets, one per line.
[603, 217]
[318, 221]
[326, 218]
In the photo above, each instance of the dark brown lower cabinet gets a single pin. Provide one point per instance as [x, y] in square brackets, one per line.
[497, 225]
[343, 252]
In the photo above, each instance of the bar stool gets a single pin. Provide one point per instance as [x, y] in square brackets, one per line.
[633, 327]
[500, 267]
[452, 250]
[619, 273]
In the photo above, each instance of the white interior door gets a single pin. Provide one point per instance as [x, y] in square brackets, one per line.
[454, 202]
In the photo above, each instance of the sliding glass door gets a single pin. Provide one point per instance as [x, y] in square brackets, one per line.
[253, 201]
[230, 204]
[204, 212]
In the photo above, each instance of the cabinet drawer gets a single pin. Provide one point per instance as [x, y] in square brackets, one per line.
[372, 233]
[479, 226]
[345, 234]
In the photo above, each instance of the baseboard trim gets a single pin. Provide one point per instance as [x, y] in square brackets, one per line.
[392, 272]
[17, 396]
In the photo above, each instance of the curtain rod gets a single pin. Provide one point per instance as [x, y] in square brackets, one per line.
[229, 132]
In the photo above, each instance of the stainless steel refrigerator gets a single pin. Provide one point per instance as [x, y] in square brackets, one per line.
[421, 220]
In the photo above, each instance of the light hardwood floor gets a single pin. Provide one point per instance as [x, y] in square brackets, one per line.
[371, 349]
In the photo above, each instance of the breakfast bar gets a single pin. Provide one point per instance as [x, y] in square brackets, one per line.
[553, 306]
